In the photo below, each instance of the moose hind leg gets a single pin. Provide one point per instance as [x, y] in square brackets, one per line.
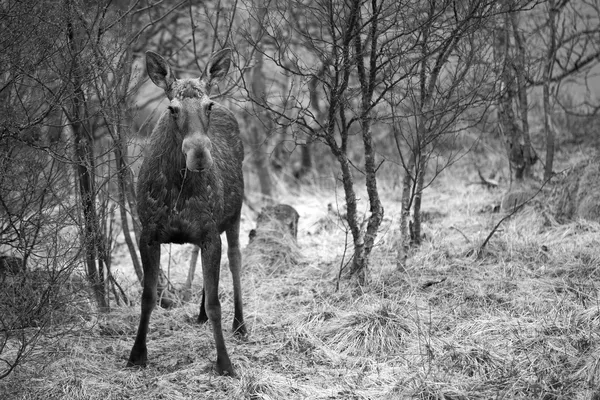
[150, 254]
[202, 317]
[211, 264]
[235, 264]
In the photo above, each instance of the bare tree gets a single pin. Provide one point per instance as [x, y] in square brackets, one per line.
[38, 214]
[443, 90]
[563, 49]
[541, 45]
[343, 60]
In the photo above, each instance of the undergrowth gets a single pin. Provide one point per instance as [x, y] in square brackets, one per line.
[521, 321]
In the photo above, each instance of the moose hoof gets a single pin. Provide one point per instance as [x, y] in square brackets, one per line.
[239, 329]
[225, 369]
[202, 318]
[137, 359]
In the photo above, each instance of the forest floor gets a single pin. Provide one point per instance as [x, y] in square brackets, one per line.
[518, 320]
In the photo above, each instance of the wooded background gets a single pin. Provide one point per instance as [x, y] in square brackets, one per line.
[344, 93]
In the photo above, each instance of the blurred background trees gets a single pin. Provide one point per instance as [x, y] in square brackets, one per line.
[359, 93]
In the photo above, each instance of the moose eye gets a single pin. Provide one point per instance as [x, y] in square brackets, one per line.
[209, 108]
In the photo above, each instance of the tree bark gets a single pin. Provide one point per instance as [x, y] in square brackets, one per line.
[416, 226]
[375, 206]
[519, 66]
[306, 164]
[258, 94]
[406, 205]
[506, 115]
[546, 91]
[358, 266]
[367, 77]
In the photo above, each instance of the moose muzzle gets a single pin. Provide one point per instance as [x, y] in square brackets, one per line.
[197, 150]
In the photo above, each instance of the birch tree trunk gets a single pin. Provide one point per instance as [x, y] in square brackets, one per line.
[406, 205]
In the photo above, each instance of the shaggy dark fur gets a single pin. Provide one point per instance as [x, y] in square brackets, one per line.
[190, 190]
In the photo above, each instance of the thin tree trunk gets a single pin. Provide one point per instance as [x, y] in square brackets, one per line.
[546, 92]
[258, 88]
[261, 161]
[375, 206]
[528, 152]
[416, 231]
[306, 164]
[358, 260]
[506, 115]
[85, 172]
[405, 206]
[121, 188]
[367, 76]
[315, 102]
[90, 235]
[421, 158]
[340, 152]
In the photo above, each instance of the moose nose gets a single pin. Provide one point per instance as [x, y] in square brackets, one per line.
[197, 154]
[198, 162]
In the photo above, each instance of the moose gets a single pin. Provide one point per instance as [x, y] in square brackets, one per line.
[190, 190]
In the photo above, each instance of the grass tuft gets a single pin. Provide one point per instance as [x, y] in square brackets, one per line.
[265, 385]
[379, 332]
[520, 322]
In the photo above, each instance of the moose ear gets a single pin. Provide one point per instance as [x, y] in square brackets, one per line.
[159, 70]
[218, 66]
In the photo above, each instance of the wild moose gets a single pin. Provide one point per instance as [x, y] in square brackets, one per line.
[190, 190]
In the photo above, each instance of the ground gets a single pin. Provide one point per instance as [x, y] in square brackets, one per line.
[518, 319]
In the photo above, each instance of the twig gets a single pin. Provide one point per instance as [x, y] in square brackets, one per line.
[459, 231]
[431, 283]
[116, 284]
[342, 265]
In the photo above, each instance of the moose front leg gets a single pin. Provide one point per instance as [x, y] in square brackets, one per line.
[211, 265]
[150, 254]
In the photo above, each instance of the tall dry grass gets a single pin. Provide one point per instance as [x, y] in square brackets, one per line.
[521, 321]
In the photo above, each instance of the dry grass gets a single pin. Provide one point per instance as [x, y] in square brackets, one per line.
[520, 322]
[273, 251]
